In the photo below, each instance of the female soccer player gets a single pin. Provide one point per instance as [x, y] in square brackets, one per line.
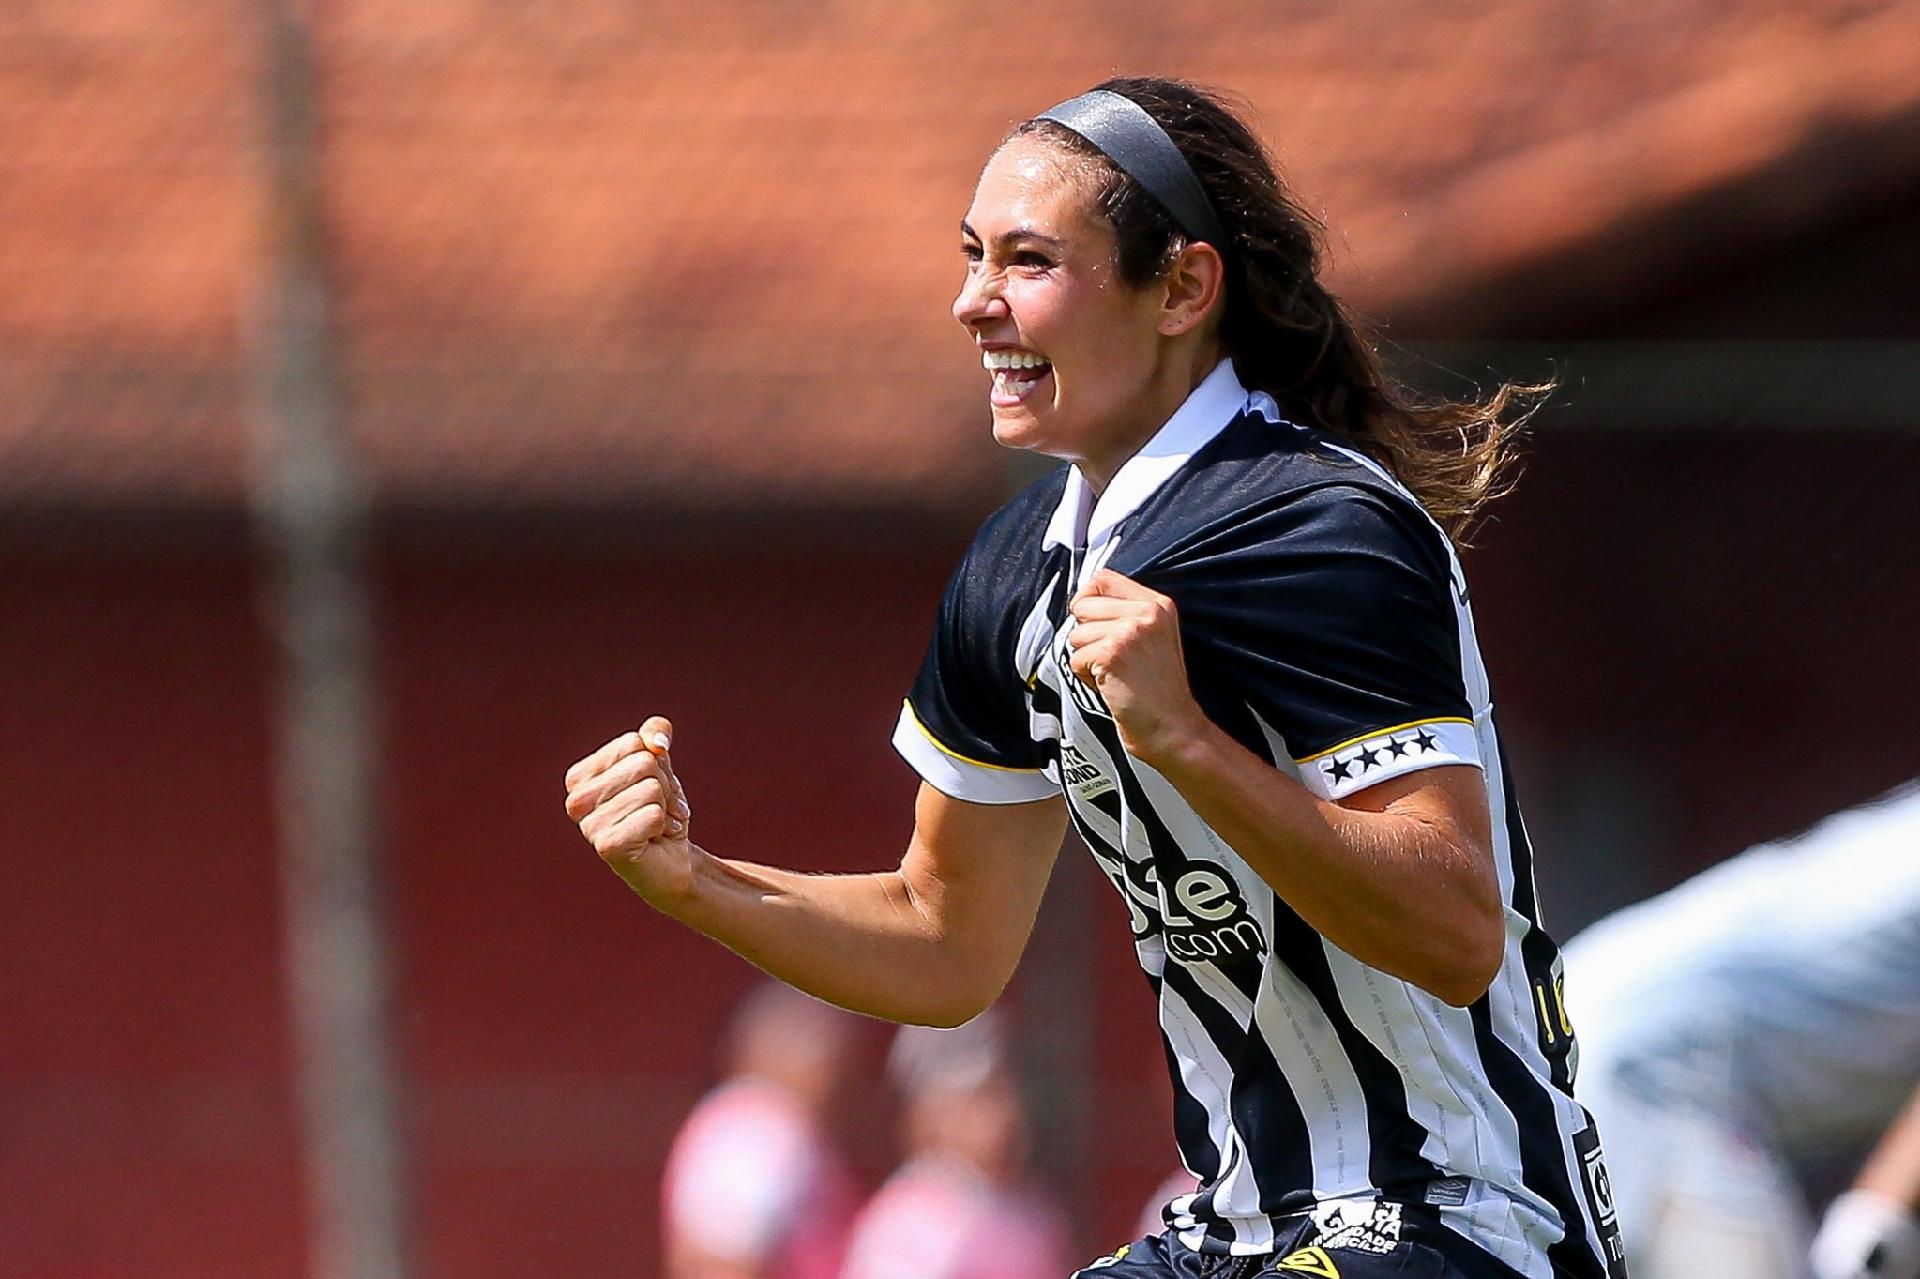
[1230, 641]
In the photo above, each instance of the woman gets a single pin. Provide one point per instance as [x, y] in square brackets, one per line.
[1231, 643]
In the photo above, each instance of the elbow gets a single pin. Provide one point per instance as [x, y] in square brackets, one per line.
[952, 1010]
[1465, 972]
[949, 1016]
[954, 996]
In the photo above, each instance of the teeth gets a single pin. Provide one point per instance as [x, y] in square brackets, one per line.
[996, 360]
[1008, 382]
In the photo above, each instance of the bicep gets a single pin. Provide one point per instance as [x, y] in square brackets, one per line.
[1444, 811]
[1449, 797]
[978, 871]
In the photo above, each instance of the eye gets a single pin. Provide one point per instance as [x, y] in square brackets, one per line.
[970, 251]
[1032, 260]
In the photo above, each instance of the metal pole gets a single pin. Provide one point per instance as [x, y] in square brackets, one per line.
[310, 511]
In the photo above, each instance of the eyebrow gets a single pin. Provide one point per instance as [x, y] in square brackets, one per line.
[1017, 233]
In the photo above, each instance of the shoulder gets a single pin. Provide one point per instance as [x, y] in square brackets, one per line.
[1019, 527]
[993, 585]
[1267, 487]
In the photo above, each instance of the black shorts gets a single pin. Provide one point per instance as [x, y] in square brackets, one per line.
[1419, 1248]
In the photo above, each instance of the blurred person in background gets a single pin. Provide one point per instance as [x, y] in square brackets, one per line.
[1231, 641]
[960, 1205]
[1757, 1022]
[754, 1186]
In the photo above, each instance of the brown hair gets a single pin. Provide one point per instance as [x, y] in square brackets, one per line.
[1287, 334]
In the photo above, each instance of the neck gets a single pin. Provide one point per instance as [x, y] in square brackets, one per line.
[1172, 382]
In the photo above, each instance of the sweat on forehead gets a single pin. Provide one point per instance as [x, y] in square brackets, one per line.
[1054, 153]
[1036, 184]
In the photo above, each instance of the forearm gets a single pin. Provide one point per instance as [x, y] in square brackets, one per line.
[1397, 889]
[866, 942]
[1874, 1228]
[1893, 1171]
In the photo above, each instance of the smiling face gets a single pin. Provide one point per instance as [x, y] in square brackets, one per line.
[1073, 352]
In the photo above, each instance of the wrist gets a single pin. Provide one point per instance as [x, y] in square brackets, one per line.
[671, 885]
[1865, 1235]
[1179, 745]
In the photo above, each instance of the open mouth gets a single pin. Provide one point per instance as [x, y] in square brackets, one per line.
[1016, 374]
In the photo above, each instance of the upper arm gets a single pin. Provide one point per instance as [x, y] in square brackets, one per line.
[1450, 799]
[965, 726]
[978, 872]
[1333, 616]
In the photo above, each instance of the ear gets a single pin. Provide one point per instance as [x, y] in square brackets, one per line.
[1194, 284]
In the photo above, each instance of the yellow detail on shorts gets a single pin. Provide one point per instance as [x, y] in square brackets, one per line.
[944, 749]
[1310, 1261]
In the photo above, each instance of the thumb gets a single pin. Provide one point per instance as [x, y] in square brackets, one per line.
[1117, 585]
[657, 735]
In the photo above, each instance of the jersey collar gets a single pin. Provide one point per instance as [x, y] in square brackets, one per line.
[1217, 401]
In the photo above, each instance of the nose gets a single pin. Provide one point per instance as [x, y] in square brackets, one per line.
[979, 301]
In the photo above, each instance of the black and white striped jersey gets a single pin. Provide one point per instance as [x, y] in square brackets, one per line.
[1325, 624]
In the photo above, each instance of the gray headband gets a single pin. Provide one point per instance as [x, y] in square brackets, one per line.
[1135, 142]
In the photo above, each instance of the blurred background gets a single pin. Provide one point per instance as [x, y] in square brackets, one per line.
[397, 400]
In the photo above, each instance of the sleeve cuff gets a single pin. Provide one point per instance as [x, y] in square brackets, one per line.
[972, 780]
[1368, 760]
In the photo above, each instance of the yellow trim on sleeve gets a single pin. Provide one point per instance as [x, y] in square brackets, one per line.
[943, 748]
[1378, 732]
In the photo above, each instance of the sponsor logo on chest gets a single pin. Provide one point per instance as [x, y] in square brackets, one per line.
[1080, 774]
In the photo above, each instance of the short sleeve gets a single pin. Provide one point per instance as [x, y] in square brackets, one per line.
[964, 727]
[1331, 615]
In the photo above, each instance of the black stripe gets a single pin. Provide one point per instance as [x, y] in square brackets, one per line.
[1543, 1158]
[1539, 957]
[1224, 1032]
[1169, 858]
[1190, 1129]
[1394, 1162]
[1422, 1225]
[1526, 892]
[1273, 1125]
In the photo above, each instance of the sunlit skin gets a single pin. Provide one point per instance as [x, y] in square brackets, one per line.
[1398, 875]
[1041, 277]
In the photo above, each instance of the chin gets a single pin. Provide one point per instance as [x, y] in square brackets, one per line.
[1022, 430]
[1015, 433]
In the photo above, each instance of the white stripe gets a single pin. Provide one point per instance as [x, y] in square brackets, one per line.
[1237, 1197]
[1340, 773]
[1207, 1078]
[1204, 1070]
[1510, 999]
[1302, 1039]
[1298, 1033]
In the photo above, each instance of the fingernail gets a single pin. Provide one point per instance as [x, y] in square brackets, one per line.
[660, 742]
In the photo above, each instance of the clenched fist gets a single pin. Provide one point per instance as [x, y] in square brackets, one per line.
[1126, 647]
[631, 809]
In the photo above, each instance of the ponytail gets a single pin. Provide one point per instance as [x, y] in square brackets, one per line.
[1289, 336]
